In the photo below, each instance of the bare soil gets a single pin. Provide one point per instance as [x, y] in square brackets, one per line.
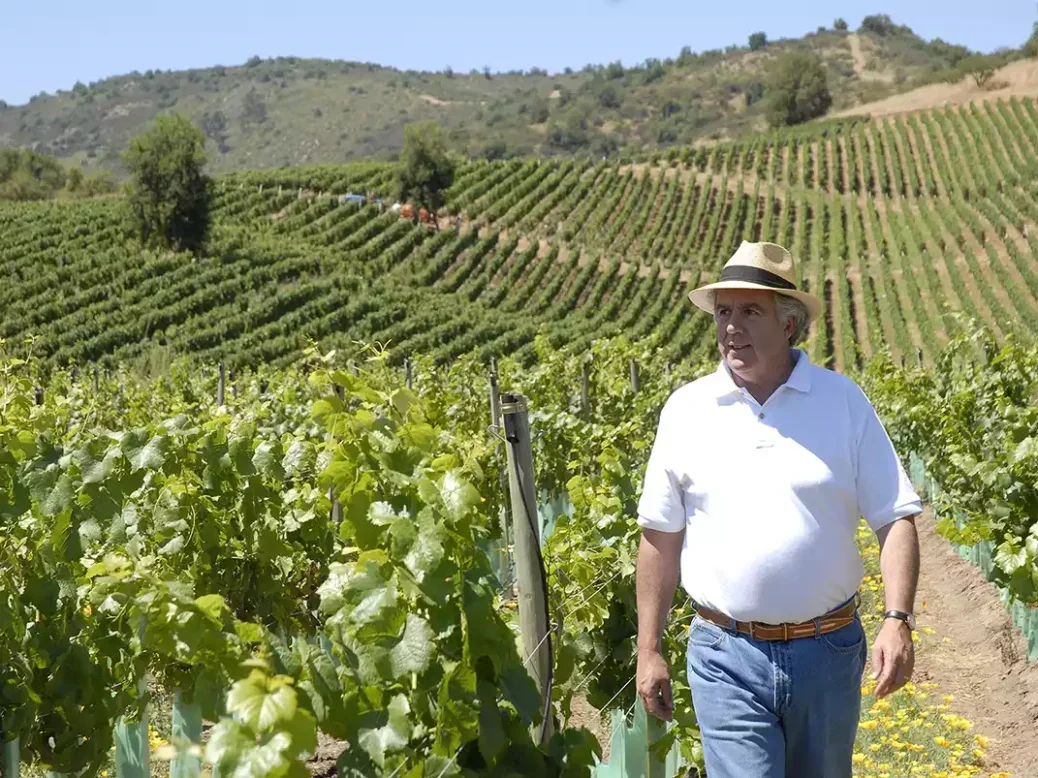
[861, 62]
[322, 763]
[984, 663]
[1018, 78]
[584, 715]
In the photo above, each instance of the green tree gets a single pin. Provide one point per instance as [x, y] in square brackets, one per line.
[168, 198]
[98, 184]
[75, 180]
[426, 168]
[570, 135]
[840, 25]
[878, 24]
[980, 67]
[609, 97]
[796, 90]
[26, 175]
[1030, 48]
[654, 71]
[758, 41]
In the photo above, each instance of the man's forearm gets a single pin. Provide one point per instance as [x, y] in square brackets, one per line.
[899, 564]
[659, 557]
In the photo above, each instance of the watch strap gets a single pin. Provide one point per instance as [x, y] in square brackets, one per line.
[902, 615]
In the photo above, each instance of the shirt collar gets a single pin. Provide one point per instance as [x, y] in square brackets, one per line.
[799, 380]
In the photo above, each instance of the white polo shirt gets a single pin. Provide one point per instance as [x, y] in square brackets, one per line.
[770, 496]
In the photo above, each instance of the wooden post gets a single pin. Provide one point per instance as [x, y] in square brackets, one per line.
[585, 390]
[635, 383]
[221, 382]
[408, 376]
[96, 380]
[919, 356]
[533, 597]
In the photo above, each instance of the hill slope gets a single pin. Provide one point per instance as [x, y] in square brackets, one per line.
[290, 111]
[896, 222]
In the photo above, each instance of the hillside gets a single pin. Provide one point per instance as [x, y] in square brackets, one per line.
[291, 111]
[897, 222]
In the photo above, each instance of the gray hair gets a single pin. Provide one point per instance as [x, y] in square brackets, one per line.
[787, 307]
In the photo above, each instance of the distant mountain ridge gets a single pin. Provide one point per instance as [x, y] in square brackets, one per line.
[293, 111]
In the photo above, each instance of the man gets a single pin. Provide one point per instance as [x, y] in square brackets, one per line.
[756, 482]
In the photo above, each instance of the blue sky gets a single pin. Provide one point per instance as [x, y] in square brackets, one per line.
[50, 45]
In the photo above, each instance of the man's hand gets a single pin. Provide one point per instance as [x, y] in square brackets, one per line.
[654, 684]
[893, 657]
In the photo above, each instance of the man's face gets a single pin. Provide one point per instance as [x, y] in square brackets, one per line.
[750, 336]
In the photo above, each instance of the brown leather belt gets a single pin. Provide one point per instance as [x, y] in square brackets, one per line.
[757, 630]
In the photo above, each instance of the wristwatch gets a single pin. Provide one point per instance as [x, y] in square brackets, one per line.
[908, 618]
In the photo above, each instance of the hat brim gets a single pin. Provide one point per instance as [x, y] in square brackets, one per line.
[701, 297]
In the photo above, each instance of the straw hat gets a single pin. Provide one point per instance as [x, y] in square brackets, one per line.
[765, 266]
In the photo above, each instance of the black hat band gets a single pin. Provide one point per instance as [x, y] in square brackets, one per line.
[755, 275]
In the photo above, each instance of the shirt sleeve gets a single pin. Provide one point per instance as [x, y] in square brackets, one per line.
[661, 506]
[885, 492]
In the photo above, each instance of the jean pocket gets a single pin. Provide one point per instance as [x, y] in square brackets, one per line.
[704, 634]
[846, 640]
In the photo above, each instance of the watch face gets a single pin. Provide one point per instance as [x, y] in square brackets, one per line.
[911, 620]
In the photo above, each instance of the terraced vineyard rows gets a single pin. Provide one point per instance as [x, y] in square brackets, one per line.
[897, 222]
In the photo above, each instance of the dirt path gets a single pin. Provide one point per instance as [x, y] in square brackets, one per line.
[908, 161]
[815, 163]
[955, 153]
[923, 153]
[971, 282]
[834, 317]
[983, 663]
[984, 263]
[934, 254]
[872, 160]
[857, 55]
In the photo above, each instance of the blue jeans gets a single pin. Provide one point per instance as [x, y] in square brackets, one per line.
[776, 709]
